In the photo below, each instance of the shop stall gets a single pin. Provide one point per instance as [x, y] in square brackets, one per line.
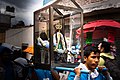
[99, 30]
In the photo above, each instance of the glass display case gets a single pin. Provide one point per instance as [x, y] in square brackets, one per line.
[55, 38]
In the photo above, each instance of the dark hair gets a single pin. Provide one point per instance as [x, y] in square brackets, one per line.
[90, 48]
[106, 46]
[43, 36]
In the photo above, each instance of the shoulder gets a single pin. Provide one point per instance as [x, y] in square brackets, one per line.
[101, 77]
[101, 62]
[107, 55]
[21, 61]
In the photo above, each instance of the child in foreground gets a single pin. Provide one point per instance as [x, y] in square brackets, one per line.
[91, 60]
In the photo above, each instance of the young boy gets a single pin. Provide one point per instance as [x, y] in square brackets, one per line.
[91, 60]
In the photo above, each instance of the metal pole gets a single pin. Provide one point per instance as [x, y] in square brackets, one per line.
[51, 34]
[82, 39]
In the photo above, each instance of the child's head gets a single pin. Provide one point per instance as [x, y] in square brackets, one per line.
[5, 54]
[91, 57]
[88, 49]
[104, 47]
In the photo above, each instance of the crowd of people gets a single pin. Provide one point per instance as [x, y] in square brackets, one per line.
[12, 64]
[98, 62]
[15, 66]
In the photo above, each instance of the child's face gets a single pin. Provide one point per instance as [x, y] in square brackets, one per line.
[92, 61]
[100, 48]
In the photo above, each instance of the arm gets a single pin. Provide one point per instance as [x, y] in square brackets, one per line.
[77, 71]
[108, 77]
[55, 75]
[105, 72]
[40, 41]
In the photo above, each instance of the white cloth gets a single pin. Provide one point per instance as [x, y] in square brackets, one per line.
[83, 67]
[92, 74]
[43, 43]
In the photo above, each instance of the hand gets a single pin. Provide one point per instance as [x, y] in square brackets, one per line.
[77, 71]
[104, 72]
[100, 68]
[55, 75]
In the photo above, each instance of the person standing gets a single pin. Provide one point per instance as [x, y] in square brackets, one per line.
[108, 60]
[104, 48]
[91, 60]
[7, 70]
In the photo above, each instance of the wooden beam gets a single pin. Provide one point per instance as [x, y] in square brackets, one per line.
[66, 8]
[57, 11]
[77, 5]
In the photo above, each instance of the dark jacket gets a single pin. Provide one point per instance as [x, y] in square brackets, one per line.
[8, 69]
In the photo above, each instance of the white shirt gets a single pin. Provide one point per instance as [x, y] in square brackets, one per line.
[92, 74]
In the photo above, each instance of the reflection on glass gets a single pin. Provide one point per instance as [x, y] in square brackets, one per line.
[73, 42]
[42, 55]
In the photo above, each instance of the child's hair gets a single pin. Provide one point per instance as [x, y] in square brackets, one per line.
[106, 46]
[90, 48]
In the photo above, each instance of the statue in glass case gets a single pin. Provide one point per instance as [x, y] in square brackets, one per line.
[60, 50]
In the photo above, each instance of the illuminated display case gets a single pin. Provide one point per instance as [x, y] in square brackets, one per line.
[55, 38]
